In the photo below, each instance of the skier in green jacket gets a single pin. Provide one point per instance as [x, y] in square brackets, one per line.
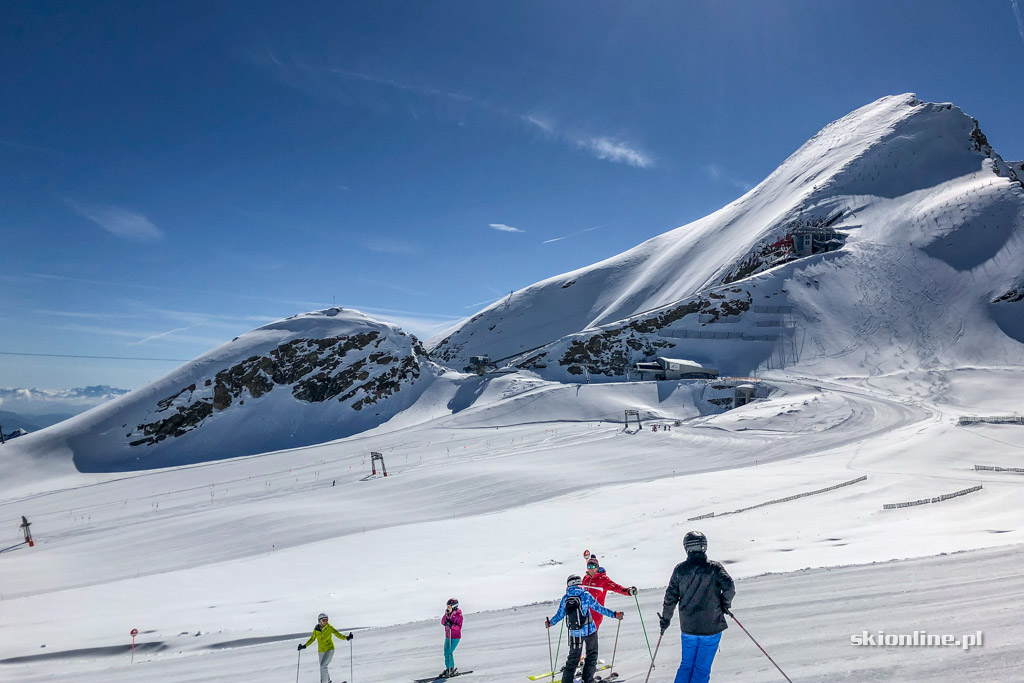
[323, 635]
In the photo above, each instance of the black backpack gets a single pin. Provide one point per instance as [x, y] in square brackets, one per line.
[575, 616]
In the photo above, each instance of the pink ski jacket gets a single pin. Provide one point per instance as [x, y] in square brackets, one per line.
[453, 624]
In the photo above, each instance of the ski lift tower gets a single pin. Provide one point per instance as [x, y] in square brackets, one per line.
[636, 414]
[480, 364]
[374, 457]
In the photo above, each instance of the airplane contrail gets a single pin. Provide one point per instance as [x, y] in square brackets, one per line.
[573, 234]
[1020, 22]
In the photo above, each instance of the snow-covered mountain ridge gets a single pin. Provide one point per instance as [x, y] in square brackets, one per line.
[302, 380]
[897, 218]
[891, 241]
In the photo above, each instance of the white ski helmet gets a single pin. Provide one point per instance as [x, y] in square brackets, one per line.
[322, 616]
[573, 580]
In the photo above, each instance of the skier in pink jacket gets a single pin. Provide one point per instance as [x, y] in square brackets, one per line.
[452, 621]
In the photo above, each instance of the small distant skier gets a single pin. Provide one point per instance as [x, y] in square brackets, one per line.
[25, 524]
[452, 621]
[323, 635]
[704, 592]
[598, 584]
[576, 607]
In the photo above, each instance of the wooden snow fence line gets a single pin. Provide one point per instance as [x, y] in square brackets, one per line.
[781, 500]
[993, 419]
[936, 499]
[990, 468]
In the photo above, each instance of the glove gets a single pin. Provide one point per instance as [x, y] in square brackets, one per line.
[632, 590]
[350, 636]
[619, 615]
[664, 622]
[725, 609]
[547, 622]
[302, 647]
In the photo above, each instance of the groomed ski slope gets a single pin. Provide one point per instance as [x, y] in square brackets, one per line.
[804, 619]
[494, 505]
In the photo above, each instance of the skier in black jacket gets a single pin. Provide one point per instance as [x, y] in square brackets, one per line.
[704, 592]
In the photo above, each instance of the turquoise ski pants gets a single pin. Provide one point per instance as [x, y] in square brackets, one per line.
[449, 648]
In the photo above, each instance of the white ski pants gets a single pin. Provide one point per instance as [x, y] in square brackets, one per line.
[325, 660]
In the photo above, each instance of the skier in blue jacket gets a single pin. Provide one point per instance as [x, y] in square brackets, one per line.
[575, 608]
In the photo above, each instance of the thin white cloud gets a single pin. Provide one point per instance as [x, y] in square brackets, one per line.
[123, 223]
[504, 228]
[399, 85]
[718, 174]
[573, 234]
[310, 78]
[1020, 22]
[540, 122]
[617, 151]
[603, 147]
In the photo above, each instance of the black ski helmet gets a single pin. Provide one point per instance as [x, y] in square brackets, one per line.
[573, 580]
[453, 603]
[695, 542]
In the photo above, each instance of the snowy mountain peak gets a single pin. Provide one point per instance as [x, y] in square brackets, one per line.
[306, 379]
[895, 175]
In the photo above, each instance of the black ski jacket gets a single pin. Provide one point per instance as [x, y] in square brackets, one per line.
[703, 590]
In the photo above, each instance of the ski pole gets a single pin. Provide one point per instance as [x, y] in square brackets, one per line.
[351, 652]
[643, 627]
[551, 657]
[297, 665]
[653, 656]
[616, 646]
[557, 648]
[758, 645]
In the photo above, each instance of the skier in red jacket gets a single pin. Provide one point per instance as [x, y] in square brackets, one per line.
[597, 583]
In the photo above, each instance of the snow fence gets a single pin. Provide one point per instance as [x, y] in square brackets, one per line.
[936, 499]
[780, 500]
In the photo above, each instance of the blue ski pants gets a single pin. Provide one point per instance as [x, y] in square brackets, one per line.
[449, 652]
[698, 654]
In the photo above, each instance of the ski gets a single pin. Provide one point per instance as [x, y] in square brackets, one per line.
[439, 679]
[601, 666]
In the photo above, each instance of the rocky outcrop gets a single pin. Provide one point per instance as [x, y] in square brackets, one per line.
[350, 368]
[611, 350]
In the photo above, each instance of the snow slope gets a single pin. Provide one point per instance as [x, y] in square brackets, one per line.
[495, 506]
[804, 619]
[931, 222]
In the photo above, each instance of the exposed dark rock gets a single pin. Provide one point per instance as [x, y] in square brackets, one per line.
[979, 139]
[314, 368]
[611, 351]
[1012, 296]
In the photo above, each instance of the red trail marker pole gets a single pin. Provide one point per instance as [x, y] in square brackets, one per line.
[135, 632]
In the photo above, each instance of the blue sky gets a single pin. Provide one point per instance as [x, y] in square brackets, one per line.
[175, 174]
